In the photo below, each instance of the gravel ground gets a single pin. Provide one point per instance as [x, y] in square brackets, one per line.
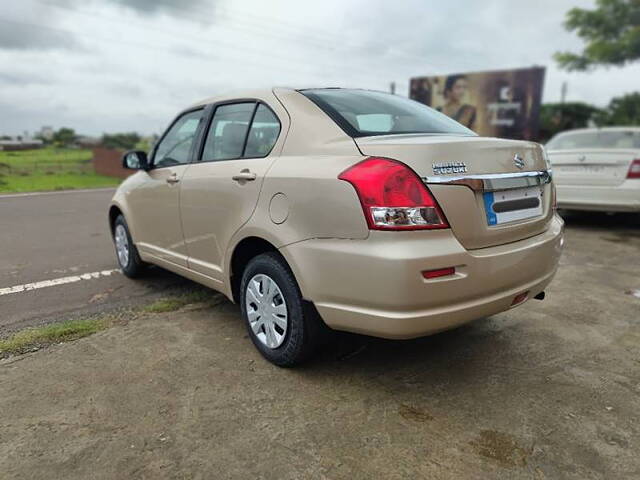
[550, 389]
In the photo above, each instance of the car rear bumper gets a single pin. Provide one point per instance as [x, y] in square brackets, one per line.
[375, 286]
[623, 198]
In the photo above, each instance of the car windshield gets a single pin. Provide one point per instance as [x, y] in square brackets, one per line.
[602, 139]
[363, 113]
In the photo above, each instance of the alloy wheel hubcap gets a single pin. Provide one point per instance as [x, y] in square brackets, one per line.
[266, 310]
[122, 246]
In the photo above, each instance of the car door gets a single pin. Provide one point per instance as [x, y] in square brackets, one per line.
[156, 202]
[220, 190]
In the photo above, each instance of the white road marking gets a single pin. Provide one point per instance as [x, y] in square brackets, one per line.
[27, 287]
[60, 192]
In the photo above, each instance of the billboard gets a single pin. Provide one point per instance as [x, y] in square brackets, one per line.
[502, 103]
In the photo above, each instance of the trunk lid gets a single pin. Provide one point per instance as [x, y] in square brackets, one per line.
[465, 207]
[591, 167]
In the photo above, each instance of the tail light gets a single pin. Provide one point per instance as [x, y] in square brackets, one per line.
[554, 197]
[634, 169]
[393, 197]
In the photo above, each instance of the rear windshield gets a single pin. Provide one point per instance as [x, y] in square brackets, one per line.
[603, 139]
[363, 113]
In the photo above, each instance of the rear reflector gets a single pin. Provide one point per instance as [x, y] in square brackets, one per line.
[634, 169]
[520, 298]
[441, 272]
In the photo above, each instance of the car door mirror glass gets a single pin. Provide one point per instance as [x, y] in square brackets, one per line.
[135, 160]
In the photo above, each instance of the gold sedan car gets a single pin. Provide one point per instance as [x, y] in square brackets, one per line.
[357, 210]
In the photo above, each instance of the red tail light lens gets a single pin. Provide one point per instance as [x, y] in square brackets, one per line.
[393, 197]
[634, 169]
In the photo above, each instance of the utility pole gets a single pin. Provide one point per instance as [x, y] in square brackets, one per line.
[563, 96]
[563, 92]
[392, 88]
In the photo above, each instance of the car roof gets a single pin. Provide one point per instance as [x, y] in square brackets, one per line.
[238, 94]
[265, 93]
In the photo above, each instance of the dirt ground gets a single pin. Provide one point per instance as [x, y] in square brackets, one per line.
[550, 389]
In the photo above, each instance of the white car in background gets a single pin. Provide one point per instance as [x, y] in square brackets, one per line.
[597, 168]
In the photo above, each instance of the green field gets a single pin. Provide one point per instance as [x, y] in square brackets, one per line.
[49, 169]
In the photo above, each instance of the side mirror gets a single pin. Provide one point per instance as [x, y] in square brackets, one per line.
[135, 160]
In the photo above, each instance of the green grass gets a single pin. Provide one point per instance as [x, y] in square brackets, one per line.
[31, 338]
[35, 338]
[44, 156]
[49, 169]
[171, 304]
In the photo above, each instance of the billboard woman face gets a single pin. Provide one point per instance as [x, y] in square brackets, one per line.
[458, 89]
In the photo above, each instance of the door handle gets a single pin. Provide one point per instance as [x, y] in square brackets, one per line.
[244, 175]
[173, 178]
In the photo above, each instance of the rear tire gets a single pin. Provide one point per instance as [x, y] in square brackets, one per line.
[284, 329]
[126, 251]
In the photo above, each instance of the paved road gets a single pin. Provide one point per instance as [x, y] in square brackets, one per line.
[57, 236]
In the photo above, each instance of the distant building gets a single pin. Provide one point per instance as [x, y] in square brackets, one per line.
[21, 142]
[46, 133]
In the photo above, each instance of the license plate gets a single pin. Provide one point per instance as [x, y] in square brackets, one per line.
[512, 205]
[581, 168]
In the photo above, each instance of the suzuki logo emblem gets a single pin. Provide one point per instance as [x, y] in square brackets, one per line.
[518, 161]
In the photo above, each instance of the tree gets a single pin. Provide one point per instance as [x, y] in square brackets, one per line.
[64, 137]
[557, 117]
[124, 141]
[611, 33]
[623, 110]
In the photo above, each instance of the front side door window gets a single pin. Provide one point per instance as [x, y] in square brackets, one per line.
[175, 146]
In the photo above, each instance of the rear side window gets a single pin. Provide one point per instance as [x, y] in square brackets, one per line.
[620, 139]
[241, 130]
[228, 131]
[263, 134]
[363, 113]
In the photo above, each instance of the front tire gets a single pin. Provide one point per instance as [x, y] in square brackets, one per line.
[282, 327]
[126, 252]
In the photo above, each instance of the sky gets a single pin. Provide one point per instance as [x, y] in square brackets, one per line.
[130, 65]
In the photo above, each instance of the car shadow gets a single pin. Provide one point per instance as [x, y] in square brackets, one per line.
[472, 350]
[618, 223]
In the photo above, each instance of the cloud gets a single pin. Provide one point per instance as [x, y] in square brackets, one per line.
[16, 78]
[124, 89]
[17, 35]
[117, 65]
[165, 6]
[189, 52]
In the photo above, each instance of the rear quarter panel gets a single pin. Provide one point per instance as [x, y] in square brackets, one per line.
[311, 201]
